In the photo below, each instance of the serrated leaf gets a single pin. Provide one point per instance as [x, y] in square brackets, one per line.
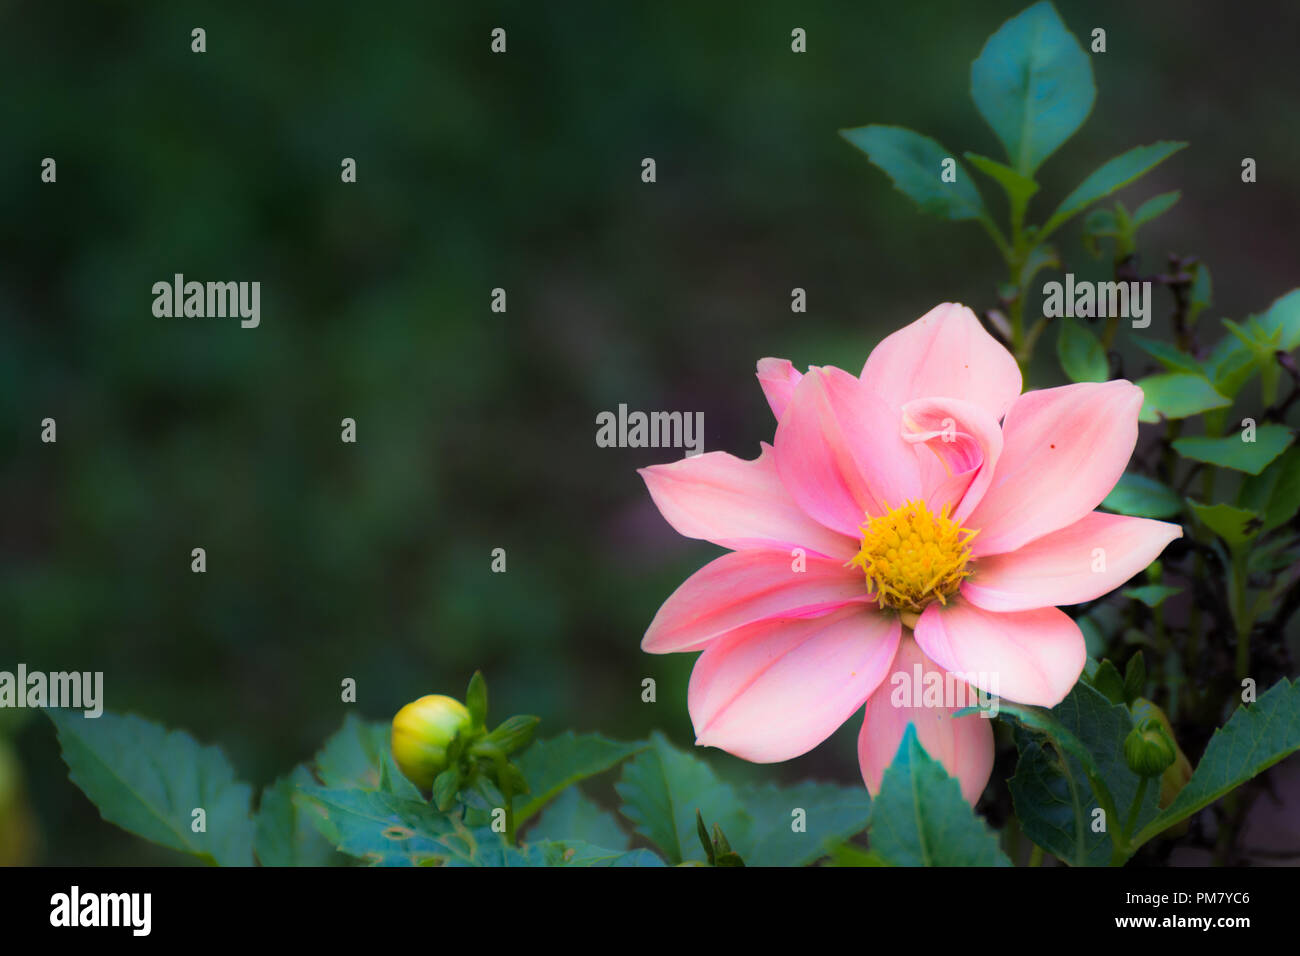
[1055, 803]
[1080, 353]
[384, 829]
[662, 788]
[284, 835]
[1233, 451]
[1142, 497]
[550, 766]
[915, 163]
[831, 814]
[1234, 525]
[1177, 395]
[149, 780]
[355, 755]
[1255, 737]
[579, 853]
[572, 816]
[1033, 85]
[1110, 176]
[919, 818]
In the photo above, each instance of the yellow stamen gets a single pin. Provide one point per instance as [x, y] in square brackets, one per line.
[913, 557]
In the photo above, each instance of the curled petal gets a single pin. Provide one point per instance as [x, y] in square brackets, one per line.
[778, 379]
[959, 444]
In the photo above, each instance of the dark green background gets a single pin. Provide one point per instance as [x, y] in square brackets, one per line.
[476, 430]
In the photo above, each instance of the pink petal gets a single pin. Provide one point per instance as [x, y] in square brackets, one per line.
[738, 504]
[964, 745]
[1065, 567]
[1032, 657]
[958, 444]
[778, 378]
[840, 453]
[775, 690]
[745, 587]
[1063, 449]
[945, 353]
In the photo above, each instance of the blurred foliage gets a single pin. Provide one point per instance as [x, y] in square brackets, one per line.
[475, 430]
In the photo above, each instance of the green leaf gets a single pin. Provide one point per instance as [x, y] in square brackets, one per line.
[384, 829]
[1256, 737]
[579, 853]
[1202, 293]
[1233, 451]
[550, 766]
[1018, 188]
[285, 834]
[148, 781]
[914, 163]
[781, 836]
[848, 855]
[476, 700]
[1080, 353]
[1135, 677]
[1108, 682]
[1054, 801]
[1170, 357]
[1152, 595]
[1033, 85]
[1275, 493]
[571, 816]
[919, 818]
[1143, 497]
[1284, 316]
[663, 787]
[1236, 526]
[1110, 176]
[1154, 207]
[1230, 365]
[354, 755]
[1176, 395]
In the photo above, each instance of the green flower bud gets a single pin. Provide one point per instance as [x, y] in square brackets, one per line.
[1148, 751]
[421, 732]
[1179, 772]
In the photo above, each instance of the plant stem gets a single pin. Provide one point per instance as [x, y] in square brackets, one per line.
[1133, 811]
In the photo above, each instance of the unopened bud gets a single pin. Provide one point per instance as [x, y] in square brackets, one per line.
[421, 732]
[1148, 751]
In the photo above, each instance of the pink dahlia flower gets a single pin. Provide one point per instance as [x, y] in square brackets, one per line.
[923, 518]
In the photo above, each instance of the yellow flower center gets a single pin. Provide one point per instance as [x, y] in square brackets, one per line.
[913, 557]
